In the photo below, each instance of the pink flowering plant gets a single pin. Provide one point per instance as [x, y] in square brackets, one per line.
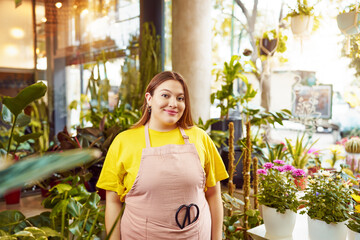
[276, 186]
[327, 197]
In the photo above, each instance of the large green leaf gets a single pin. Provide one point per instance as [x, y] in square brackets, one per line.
[92, 201]
[36, 168]
[42, 220]
[25, 97]
[22, 120]
[26, 137]
[74, 208]
[6, 115]
[11, 219]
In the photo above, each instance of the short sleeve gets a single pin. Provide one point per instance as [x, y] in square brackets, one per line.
[214, 167]
[110, 176]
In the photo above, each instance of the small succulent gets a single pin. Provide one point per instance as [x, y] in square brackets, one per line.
[353, 145]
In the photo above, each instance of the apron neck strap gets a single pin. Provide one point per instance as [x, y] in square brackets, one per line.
[185, 137]
[147, 136]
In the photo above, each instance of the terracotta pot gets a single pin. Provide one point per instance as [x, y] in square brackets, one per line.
[13, 197]
[302, 24]
[320, 230]
[278, 225]
[301, 183]
[313, 170]
[348, 22]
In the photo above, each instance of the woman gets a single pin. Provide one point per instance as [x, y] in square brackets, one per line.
[165, 169]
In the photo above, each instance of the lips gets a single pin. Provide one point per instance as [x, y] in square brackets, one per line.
[170, 112]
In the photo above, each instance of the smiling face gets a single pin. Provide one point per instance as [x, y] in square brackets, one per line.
[167, 105]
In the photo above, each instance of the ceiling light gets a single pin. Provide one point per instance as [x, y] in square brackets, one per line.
[11, 50]
[58, 4]
[17, 33]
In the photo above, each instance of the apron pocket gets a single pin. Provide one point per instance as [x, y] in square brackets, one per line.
[157, 230]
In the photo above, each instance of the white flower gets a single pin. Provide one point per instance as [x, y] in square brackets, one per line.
[326, 173]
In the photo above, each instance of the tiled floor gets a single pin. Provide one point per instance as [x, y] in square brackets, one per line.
[29, 205]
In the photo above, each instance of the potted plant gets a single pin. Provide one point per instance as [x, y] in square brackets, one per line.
[348, 20]
[327, 202]
[15, 121]
[354, 222]
[277, 195]
[302, 18]
[272, 41]
[298, 153]
[336, 154]
[352, 148]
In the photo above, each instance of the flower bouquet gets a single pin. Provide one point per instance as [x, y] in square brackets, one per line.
[277, 194]
[327, 202]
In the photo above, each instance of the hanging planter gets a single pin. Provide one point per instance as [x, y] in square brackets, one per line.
[278, 225]
[320, 230]
[302, 25]
[353, 235]
[268, 47]
[348, 23]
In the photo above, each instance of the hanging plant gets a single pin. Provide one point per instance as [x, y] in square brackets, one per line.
[272, 41]
[303, 20]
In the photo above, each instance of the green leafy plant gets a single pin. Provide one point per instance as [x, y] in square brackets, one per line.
[277, 188]
[298, 154]
[13, 115]
[227, 100]
[218, 137]
[75, 209]
[327, 197]
[302, 8]
[275, 152]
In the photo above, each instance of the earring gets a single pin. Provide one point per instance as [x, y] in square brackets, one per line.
[149, 109]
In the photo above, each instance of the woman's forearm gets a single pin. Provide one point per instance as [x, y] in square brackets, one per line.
[213, 196]
[112, 211]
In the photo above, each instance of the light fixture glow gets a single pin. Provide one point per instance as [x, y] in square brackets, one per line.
[43, 19]
[85, 11]
[37, 51]
[58, 4]
[17, 33]
[11, 50]
[75, 6]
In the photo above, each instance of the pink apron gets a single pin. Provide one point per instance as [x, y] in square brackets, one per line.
[169, 177]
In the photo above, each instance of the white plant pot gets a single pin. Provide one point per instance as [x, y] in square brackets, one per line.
[302, 25]
[353, 235]
[348, 23]
[320, 230]
[278, 225]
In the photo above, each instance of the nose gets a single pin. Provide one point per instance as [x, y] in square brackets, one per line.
[173, 102]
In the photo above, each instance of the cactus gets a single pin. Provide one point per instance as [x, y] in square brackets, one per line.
[353, 145]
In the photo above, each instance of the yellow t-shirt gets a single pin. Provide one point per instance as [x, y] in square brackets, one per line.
[122, 161]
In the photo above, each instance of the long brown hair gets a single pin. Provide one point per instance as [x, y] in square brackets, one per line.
[186, 120]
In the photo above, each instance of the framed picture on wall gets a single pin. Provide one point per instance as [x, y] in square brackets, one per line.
[312, 101]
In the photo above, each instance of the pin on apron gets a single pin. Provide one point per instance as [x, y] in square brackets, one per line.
[167, 199]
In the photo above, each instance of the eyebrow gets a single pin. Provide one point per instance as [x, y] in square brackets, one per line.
[181, 93]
